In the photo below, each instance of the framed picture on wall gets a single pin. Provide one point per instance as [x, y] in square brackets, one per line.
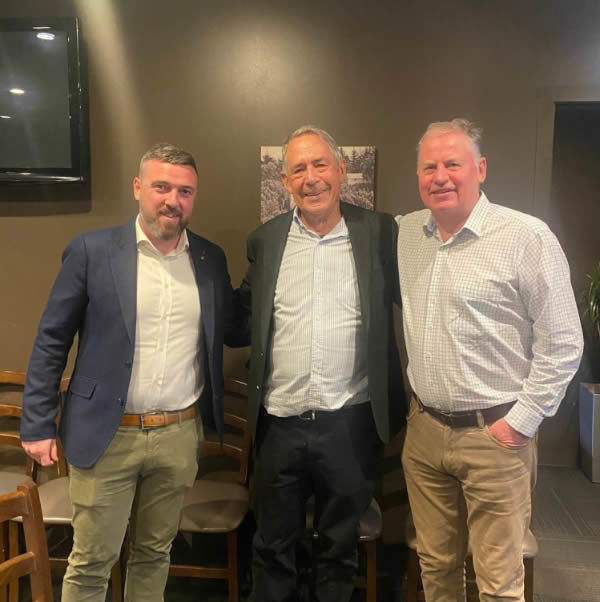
[359, 188]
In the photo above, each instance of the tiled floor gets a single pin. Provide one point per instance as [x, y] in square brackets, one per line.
[566, 521]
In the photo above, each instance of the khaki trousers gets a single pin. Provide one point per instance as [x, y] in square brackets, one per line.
[464, 485]
[142, 473]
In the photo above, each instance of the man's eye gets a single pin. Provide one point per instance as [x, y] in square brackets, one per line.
[160, 187]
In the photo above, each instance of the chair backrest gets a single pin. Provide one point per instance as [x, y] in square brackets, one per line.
[13, 440]
[10, 381]
[25, 502]
[238, 445]
[11, 377]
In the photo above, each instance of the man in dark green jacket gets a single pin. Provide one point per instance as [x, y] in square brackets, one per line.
[325, 381]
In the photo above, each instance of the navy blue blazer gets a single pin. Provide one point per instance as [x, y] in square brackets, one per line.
[94, 296]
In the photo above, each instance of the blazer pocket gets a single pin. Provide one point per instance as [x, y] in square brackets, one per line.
[82, 386]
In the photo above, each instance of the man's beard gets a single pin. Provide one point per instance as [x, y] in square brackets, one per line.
[168, 231]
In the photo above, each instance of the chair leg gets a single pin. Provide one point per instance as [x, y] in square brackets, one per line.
[232, 564]
[528, 562]
[13, 550]
[3, 557]
[116, 583]
[412, 576]
[371, 580]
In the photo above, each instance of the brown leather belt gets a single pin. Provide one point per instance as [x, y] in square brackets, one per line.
[469, 418]
[157, 419]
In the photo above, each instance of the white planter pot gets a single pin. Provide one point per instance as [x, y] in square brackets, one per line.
[589, 429]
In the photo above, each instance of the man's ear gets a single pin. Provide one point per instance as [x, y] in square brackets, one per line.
[482, 169]
[137, 186]
[286, 181]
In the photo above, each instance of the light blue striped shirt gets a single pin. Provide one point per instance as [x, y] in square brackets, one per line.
[315, 362]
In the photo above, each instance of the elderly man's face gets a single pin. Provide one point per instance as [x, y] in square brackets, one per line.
[449, 174]
[314, 178]
[166, 194]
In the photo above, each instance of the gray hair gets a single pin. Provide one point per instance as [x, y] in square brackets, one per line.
[311, 129]
[459, 124]
[168, 153]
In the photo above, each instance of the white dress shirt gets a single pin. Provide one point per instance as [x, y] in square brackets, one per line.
[315, 361]
[489, 315]
[166, 374]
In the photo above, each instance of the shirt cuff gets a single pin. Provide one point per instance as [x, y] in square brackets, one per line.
[523, 419]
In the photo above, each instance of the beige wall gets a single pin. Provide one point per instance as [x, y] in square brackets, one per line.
[222, 78]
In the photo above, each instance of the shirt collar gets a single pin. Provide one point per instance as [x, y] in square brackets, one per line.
[474, 222]
[143, 241]
[339, 230]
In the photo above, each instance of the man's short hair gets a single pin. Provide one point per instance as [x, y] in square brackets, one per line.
[311, 129]
[168, 153]
[459, 124]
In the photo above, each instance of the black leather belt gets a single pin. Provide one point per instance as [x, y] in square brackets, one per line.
[468, 418]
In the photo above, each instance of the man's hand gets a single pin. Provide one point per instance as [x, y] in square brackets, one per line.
[44, 452]
[506, 434]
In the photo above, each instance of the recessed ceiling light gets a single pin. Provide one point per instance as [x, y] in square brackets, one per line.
[45, 35]
[17, 91]
[5, 117]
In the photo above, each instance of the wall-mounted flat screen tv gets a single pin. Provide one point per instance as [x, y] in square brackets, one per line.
[44, 123]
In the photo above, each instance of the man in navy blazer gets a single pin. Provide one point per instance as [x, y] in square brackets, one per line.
[152, 304]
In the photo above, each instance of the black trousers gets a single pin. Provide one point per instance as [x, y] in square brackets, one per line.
[333, 456]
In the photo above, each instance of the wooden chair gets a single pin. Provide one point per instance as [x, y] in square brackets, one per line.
[34, 562]
[10, 477]
[219, 502]
[414, 587]
[369, 532]
[54, 498]
[9, 481]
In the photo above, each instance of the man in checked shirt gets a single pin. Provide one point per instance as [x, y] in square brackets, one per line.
[493, 339]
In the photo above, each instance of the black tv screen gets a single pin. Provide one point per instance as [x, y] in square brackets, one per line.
[44, 130]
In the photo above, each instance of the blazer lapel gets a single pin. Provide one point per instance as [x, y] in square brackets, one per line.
[360, 239]
[206, 288]
[123, 264]
[272, 253]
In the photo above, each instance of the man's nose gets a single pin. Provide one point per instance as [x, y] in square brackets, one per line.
[311, 174]
[171, 197]
[441, 174]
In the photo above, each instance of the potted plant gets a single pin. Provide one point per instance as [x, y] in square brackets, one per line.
[589, 393]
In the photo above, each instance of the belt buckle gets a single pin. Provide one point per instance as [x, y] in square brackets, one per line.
[448, 418]
[451, 418]
[308, 415]
[145, 427]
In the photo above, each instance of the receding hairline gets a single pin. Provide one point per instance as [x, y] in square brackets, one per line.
[307, 130]
[458, 125]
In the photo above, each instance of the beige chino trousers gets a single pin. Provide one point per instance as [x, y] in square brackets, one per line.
[465, 485]
[142, 473]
